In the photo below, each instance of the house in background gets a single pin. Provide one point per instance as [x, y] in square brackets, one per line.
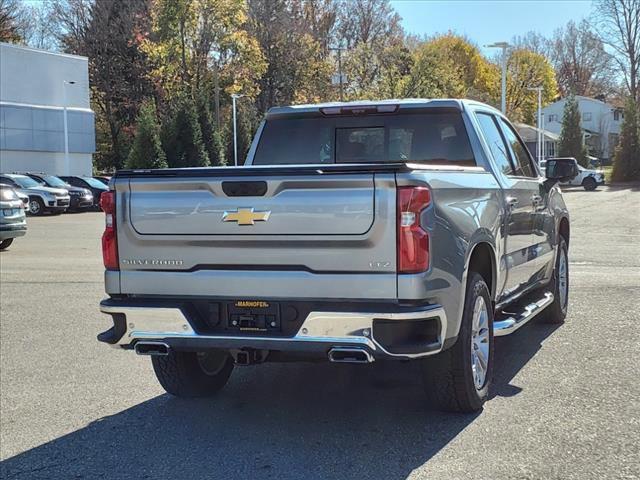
[529, 135]
[35, 88]
[600, 124]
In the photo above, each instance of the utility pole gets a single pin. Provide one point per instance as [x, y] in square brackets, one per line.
[539, 123]
[234, 97]
[339, 49]
[67, 162]
[503, 46]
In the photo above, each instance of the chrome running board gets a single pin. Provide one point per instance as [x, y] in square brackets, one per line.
[510, 324]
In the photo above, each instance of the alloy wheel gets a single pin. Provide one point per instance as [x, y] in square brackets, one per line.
[480, 343]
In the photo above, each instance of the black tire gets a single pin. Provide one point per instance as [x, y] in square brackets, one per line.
[36, 206]
[557, 311]
[4, 244]
[449, 375]
[589, 184]
[184, 374]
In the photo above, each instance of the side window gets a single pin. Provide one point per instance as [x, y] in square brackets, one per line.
[520, 152]
[496, 143]
[7, 181]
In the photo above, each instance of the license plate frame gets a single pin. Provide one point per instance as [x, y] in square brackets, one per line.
[253, 316]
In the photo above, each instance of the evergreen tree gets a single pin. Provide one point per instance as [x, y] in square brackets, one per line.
[626, 160]
[146, 151]
[182, 137]
[211, 137]
[571, 144]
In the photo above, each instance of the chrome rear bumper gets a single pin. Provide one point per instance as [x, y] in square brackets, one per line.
[319, 332]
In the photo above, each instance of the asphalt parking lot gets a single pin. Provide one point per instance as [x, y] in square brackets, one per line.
[566, 402]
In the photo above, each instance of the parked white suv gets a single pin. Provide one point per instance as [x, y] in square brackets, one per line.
[588, 178]
[41, 198]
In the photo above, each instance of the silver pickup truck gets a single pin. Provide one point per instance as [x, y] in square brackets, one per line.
[397, 230]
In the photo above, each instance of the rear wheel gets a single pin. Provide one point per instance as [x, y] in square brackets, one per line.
[458, 379]
[559, 286]
[188, 374]
[589, 184]
[36, 206]
[4, 244]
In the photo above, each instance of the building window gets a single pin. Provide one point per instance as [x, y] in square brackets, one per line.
[586, 116]
[617, 114]
[553, 118]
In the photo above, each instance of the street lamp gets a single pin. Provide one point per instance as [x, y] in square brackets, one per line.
[67, 163]
[539, 122]
[234, 97]
[339, 49]
[503, 46]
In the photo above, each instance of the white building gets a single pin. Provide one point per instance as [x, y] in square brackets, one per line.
[35, 87]
[600, 123]
[529, 135]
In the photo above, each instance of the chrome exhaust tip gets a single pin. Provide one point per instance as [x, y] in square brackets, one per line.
[152, 348]
[349, 355]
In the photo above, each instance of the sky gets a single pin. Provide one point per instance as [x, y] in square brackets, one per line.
[485, 22]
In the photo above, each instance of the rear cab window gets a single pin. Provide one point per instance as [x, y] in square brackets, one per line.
[434, 138]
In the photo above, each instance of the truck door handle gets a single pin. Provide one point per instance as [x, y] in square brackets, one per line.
[512, 202]
[536, 199]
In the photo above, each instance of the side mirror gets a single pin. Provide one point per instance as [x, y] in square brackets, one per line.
[561, 169]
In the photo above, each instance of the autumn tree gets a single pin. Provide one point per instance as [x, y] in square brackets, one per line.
[626, 160]
[376, 57]
[618, 24]
[571, 142]
[146, 151]
[298, 70]
[527, 69]
[458, 69]
[70, 22]
[430, 75]
[582, 64]
[117, 70]
[10, 21]
[202, 41]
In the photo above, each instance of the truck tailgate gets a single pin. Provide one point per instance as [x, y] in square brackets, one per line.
[302, 236]
[294, 205]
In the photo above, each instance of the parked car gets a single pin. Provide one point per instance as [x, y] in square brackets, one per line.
[95, 186]
[103, 179]
[411, 230]
[42, 199]
[80, 198]
[13, 222]
[24, 199]
[590, 179]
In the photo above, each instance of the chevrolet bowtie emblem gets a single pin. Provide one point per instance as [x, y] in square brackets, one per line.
[246, 216]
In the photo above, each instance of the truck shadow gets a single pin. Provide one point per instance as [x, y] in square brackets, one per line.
[275, 421]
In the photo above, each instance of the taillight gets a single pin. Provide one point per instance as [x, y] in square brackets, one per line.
[413, 240]
[109, 237]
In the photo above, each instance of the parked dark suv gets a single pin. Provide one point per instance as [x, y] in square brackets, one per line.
[96, 186]
[81, 198]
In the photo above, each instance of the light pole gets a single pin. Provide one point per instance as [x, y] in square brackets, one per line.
[544, 140]
[539, 122]
[503, 46]
[67, 163]
[234, 97]
[339, 49]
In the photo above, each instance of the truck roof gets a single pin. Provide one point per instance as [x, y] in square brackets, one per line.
[404, 103]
